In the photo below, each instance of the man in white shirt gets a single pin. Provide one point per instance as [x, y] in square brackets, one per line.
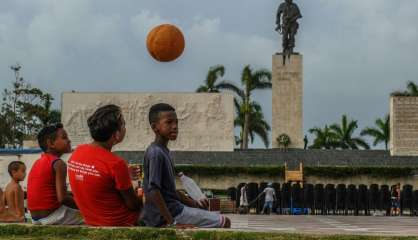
[269, 198]
[243, 201]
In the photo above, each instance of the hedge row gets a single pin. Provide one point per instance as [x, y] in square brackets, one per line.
[331, 172]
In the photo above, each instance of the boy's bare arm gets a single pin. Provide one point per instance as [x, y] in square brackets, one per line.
[60, 169]
[132, 201]
[2, 200]
[157, 199]
[18, 201]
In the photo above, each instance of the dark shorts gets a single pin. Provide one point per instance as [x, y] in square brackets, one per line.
[396, 203]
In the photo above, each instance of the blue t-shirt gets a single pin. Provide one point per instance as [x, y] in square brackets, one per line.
[159, 174]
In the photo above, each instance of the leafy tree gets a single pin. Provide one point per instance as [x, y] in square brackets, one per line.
[324, 138]
[344, 135]
[411, 90]
[258, 125]
[249, 113]
[251, 80]
[24, 111]
[381, 131]
[211, 85]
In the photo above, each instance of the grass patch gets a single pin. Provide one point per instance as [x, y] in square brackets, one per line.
[25, 232]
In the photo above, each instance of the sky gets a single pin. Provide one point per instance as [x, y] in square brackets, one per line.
[356, 52]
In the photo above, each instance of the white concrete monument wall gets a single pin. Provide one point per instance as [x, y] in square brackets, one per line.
[287, 99]
[404, 126]
[206, 121]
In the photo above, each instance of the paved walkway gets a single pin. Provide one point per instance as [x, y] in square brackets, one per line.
[363, 225]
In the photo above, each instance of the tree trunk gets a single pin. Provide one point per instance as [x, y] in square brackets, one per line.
[241, 146]
[246, 128]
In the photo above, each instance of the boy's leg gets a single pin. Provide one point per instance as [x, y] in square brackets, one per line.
[202, 218]
[270, 207]
[264, 207]
[72, 217]
[62, 216]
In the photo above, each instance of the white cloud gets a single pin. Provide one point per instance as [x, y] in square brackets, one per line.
[355, 51]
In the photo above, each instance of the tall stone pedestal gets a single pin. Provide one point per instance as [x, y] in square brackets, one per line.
[287, 95]
[404, 126]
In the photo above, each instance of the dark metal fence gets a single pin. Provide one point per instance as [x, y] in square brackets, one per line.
[332, 199]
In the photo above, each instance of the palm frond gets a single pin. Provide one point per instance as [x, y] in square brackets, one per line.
[202, 89]
[261, 79]
[412, 88]
[360, 142]
[262, 133]
[225, 85]
[214, 73]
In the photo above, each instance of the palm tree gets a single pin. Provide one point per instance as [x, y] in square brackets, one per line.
[412, 89]
[324, 138]
[251, 80]
[344, 135]
[380, 133]
[258, 125]
[211, 85]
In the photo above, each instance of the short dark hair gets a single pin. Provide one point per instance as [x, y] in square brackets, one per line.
[48, 133]
[14, 166]
[104, 122]
[156, 109]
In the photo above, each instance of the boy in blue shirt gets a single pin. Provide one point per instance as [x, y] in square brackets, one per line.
[165, 206]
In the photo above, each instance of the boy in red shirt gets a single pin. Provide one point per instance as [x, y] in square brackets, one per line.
[49, 202]
[100, 180]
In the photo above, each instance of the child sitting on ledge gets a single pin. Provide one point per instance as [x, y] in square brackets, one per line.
[12, 200]
[49, 202]
[164, 205]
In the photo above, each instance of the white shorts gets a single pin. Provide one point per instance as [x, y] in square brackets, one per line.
[200, 218]
[62, 216]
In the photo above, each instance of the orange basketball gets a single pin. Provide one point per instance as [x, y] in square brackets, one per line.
[165, 43]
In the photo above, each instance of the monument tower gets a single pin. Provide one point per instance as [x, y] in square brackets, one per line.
[287, 80]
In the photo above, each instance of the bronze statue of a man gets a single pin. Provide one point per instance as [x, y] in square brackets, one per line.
[287, 24]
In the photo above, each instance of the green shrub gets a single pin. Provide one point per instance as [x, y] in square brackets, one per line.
[271, 171]
[230, 171]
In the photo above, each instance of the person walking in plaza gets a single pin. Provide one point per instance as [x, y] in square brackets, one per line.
[396, 200]
[243, 200]
[269, 198]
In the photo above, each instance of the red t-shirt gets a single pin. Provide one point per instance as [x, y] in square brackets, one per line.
[42, 193]
[96, 176]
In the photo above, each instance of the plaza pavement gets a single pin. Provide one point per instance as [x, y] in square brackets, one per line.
[347, 225]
